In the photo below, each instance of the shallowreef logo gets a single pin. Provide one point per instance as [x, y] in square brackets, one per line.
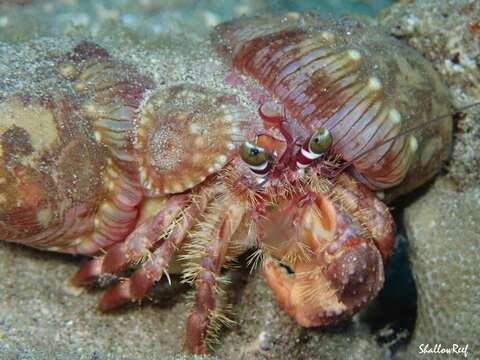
[453, 349]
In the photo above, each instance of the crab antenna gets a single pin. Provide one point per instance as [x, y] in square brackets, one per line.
[405, 132]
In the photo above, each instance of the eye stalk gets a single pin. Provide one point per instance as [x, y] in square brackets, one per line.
[315, 146]
[256, 157]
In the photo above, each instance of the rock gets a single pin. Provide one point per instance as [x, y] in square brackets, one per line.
[443, 229]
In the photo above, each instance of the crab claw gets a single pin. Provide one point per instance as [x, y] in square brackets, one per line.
[324, 292]
[335, 245]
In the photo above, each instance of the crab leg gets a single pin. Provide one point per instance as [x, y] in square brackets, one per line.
[138, 285]
[120, 255]
[206, 280]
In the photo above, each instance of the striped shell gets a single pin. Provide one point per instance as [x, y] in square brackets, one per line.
[351, 78]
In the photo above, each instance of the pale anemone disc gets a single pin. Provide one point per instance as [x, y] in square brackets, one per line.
[183, 135]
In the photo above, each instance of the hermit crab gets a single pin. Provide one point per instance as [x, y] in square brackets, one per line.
[290, 154]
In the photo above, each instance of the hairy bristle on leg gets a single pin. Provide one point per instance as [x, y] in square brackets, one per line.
[226, 221]
[119, 256]
[137, 286]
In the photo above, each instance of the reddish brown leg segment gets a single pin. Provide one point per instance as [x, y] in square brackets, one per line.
[137, 286]
[120, 255]
[207, 279]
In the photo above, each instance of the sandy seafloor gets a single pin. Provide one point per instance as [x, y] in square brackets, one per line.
[41, 317]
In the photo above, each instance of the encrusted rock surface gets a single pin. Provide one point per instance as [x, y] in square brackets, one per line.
[443, 225]
[443, 232]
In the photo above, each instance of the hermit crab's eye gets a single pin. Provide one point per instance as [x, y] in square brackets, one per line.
[252, 154]
[256, 157]
[317, 145]
[320, 141]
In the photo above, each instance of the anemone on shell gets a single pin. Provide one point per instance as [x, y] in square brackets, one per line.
[349, 77]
